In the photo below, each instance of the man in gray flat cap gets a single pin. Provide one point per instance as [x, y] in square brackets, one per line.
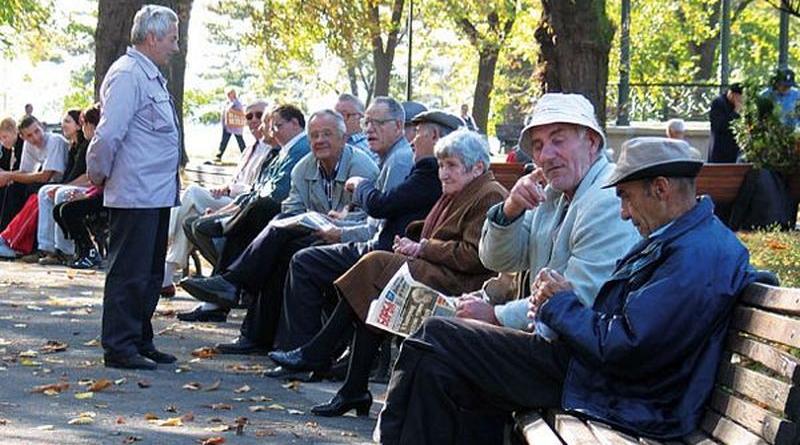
[642, 358]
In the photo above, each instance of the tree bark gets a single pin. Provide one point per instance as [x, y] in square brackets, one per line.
[482, 98]
[575, 39]
[112, 37]
[383, 56]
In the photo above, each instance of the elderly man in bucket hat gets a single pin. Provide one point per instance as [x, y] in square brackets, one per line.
[570, 224]
[642, 358]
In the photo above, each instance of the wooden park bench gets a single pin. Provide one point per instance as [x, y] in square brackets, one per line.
[756, 400]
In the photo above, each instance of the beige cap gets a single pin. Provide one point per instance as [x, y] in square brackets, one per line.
[648, 157]
[560, 108]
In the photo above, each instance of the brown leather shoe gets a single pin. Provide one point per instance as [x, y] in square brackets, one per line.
[167, 291]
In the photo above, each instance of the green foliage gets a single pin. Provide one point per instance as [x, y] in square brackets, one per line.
[776, 251]
[203, 106]
[20, 18]
[81, 88]
[765, 140]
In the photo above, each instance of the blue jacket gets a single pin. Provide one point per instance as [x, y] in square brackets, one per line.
[646, 354]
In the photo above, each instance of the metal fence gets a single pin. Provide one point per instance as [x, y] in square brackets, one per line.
[662, 101]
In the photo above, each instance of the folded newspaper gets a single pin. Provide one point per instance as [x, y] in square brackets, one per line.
[311, 221]
[405, 303]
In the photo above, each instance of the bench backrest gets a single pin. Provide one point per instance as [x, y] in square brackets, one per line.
[757, 398]
[207, 175]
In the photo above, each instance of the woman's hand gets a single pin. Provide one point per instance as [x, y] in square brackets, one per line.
[407, 247]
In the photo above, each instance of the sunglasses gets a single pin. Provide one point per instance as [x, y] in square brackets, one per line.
[250, 115]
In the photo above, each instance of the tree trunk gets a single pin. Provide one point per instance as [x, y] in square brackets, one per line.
[112, 37]
[575, 39]
[383, 57]
[353, 79]
[482, 98]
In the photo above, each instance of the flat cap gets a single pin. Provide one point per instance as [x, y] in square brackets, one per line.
[412, 109]
[447, 120]
[648, 157]
[560, 108]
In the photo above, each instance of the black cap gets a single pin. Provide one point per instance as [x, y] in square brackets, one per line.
[412, 109]
[783, 76]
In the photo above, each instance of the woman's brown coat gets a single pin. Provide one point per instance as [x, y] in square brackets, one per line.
[449, 260]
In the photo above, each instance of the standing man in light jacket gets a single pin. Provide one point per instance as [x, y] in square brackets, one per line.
[135, 155]
[574, 229]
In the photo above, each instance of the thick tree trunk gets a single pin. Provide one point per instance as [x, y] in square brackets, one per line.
[112, 37]
[575, 39]
[482, 98]
[383, 56]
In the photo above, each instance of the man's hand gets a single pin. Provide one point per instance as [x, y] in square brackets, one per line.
[220, 192]
[341, 214]
[476, 308]
[407, 247]
[352, 183]
[331, 236]
[548, 282]
[526, 194]
[5, 178]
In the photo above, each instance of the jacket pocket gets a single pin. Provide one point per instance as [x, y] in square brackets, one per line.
[160, 113]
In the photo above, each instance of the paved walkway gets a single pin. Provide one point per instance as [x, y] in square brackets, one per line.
[49, 335]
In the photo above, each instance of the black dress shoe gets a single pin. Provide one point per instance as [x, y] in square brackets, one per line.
[135, 361]
[241, 345]
[339, 405]
[279, 372]
[199, 314]
[294, 360]
[159, 357]
[214, 289]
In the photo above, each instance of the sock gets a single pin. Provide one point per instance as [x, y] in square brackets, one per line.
[169, 271]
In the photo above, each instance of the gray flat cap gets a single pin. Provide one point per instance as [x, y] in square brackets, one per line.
[648, 157]
[447, 120]
[412, 109]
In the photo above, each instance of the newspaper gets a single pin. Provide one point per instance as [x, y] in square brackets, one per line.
[405, 303]
[309, 221]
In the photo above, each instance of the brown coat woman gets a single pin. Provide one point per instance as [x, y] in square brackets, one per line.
[445, 257]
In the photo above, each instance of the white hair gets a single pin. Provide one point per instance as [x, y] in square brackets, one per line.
[154, 19]
[675, 126]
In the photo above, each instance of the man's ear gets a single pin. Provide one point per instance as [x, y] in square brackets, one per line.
[660, 187]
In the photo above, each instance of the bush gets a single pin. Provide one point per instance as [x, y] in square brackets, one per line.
[776, 251]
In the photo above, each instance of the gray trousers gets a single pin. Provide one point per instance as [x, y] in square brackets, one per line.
[136, 252]
[456, 382]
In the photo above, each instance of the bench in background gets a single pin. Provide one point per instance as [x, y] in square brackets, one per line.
[756, 400]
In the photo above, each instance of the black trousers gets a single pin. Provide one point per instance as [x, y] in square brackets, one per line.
[261, 271]
[71, 217]
[243, 227]
[137, 249]
[12, 198]
[309, 289]
[456, 381]
[226, 137]
[201, 231]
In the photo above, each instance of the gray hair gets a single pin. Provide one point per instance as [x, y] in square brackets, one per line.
[674, 125]
[336, 117]
[396, 111]
[468, 146]
[154, 19]
[347, 97]
[258, 104]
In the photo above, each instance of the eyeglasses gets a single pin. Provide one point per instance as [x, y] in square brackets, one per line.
[257, 114]
[366, 122]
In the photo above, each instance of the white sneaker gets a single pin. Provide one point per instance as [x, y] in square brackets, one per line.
[5, 251]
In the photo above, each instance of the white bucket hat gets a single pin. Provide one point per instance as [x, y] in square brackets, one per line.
[559, 108]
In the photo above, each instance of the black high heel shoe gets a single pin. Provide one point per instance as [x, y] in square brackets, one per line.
[339, 405]
[295, 361]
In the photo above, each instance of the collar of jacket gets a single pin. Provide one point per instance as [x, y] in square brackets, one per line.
[599, 170]
[150, 69]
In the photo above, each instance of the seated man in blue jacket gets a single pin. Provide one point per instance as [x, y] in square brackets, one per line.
[642, 358]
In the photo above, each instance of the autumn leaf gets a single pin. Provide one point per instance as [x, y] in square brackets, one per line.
[54, 346]
[30, 353]
[51, 389]
[143, 384]
[92, 342]
[257, 408]
[220, 406]
[294, 412]
[172, 421]
[100, 385]
[131, 439]
[276, 406]
[242, 389]
[205, 352]
[192, 386]
[214, 386]
[150, 416]
[219, 428]
[84, 395]
[216, 440]
[294, 385]
[83, 419]
[264, 433]
[120, 420]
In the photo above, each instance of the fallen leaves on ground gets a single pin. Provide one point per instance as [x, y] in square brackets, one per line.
[220, 406]
[257, 408]
[188, 417]
[172, 421]
[92, 342]
[265, 433]
[51, 389]
[295, 412]
[131, 439]
[84, 395]
[30, 353]
[54, 346]
[242, 389]
[120, 420]
[150, 416]
[294, 385]
[192, 386]
[205, 352]
[214, 386]
[83, 419]
[45, 427]
[276, 406]
[246, 368]
[143, 384]
[100, 385]
[219, 428]
[216, 440]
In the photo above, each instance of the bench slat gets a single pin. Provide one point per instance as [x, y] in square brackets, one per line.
[608, 436]
[722, 181]
[772, 428]
[699, 438]
[729, 432]
[778, 361]
[535, 429]
[756, 386]
[778, 328]
[573, 430]
[779, 299]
